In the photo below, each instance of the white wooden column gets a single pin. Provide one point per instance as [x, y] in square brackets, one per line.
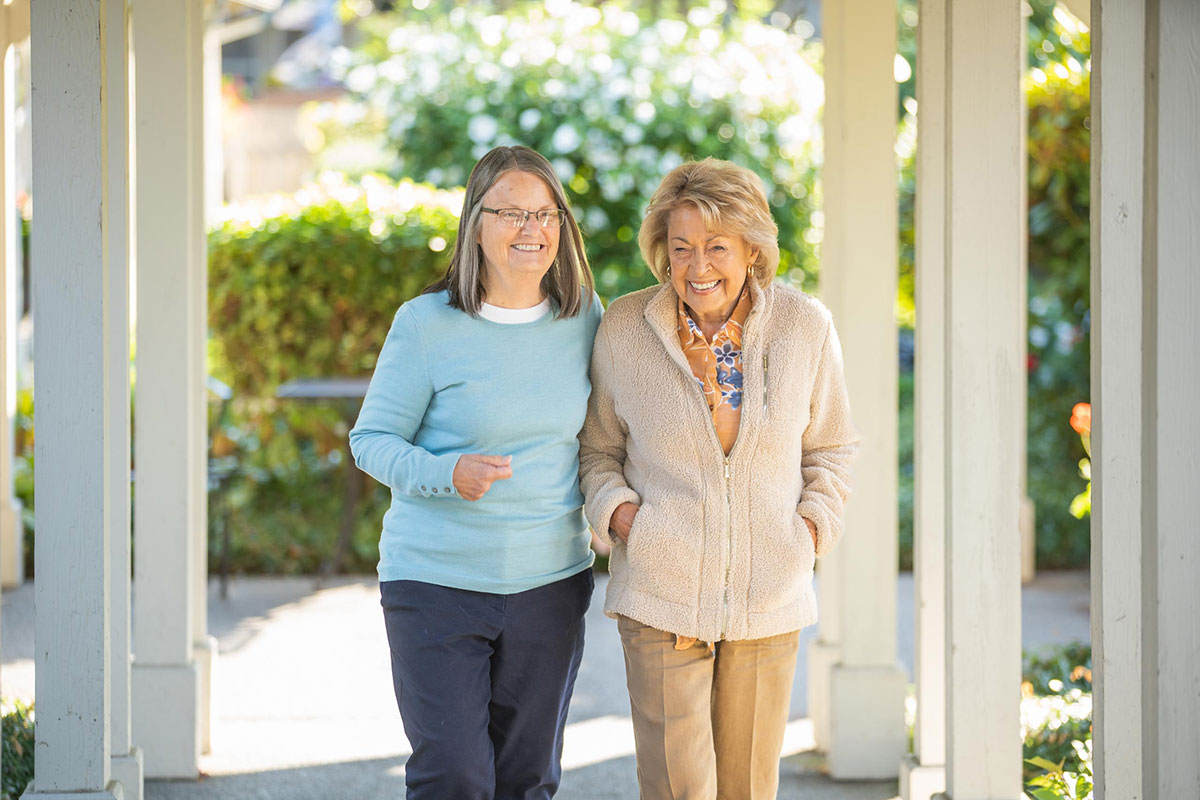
[1118, 151]
[198, 71]
[923, 772]
[1146, 387]
[1027, 519]
[866, 737]
[14, 26]
[126, 759]
[71, 314]
[984, 380]
[166, 679]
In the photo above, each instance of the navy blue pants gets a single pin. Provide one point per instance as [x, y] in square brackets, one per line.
[483, 682]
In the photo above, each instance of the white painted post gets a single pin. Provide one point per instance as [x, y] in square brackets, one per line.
[198, 68]
[1171, 509]
[1118, 150]
[923, 772]
[166, 682]
[126, 765]
[214, 162]
[1027, 519]
[12, 551]
[1146, 386]
[984, 380]
[866, 737]
[71, 315]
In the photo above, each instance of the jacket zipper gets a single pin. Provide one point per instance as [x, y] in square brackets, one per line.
[764, 383]
[728, 550]
[728, 492]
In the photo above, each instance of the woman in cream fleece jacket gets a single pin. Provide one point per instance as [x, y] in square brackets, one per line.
[715, 459]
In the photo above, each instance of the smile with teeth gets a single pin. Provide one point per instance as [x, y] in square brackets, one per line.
[703, 287]
[528, 248]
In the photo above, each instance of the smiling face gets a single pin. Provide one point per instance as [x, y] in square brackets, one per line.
[512, 256]
[708, 268]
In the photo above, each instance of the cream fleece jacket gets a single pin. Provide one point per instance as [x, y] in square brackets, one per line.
[719, 548]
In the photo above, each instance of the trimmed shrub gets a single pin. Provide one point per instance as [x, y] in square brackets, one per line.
[16, 748]
[305, 286]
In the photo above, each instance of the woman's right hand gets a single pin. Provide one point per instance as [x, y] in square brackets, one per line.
[474, 474]
[622, 520]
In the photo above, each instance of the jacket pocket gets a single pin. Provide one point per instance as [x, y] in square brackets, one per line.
[781, 565]
[663, 560]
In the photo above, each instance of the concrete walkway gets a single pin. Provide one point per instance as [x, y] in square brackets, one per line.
[303, 703]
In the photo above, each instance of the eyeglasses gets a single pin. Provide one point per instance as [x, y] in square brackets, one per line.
[517, 217]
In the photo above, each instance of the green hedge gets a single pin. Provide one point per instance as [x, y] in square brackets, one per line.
[1059, 304]
[16, 748]
[305, 287]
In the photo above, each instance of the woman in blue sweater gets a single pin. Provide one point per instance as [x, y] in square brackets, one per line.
[471, 420]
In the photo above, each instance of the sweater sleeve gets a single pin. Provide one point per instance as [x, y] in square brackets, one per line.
[602, 446]
[830, 445]
[391, 414]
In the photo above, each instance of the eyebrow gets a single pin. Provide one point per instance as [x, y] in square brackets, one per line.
[709, 239]
[518, 208]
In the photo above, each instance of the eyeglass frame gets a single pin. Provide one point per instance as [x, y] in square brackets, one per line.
[560, 214]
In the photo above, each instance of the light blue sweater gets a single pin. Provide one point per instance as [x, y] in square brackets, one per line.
[446, 384]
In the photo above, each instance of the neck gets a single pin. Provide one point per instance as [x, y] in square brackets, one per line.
[711, 323]
[518, 292]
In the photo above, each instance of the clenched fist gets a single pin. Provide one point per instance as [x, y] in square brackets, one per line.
[474, 474]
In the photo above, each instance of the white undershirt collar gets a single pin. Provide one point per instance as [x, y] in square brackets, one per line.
[514, 316]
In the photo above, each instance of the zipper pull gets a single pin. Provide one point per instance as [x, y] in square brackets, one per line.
[764, 380]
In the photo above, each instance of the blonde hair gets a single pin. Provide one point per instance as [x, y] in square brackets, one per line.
[569, 275]
[729, 198]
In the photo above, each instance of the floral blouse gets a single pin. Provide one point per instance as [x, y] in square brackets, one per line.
[717, 367]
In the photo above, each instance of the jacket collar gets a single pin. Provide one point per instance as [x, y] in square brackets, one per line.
[662, 315]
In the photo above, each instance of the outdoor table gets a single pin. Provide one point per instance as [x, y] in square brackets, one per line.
[347, 394]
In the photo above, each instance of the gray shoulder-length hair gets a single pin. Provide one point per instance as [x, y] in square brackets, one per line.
[568, 276]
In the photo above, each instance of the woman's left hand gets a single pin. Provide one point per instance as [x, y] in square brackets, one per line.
[812, 530]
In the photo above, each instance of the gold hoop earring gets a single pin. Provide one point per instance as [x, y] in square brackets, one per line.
[668, 270]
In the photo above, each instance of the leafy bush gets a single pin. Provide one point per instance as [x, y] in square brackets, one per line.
[16, 748]
[1059, 783]
[1059, 281]
[23, 469]
[612, 102]
[1056, 708]
[305, 286]
[1052, 670]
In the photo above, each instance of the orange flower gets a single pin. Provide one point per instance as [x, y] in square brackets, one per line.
[1081, 418]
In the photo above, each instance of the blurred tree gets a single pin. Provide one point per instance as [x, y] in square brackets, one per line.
[614, 103]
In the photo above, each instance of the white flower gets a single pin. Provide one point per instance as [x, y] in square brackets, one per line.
[566, 139]
[529, 119]
[482, 129]
[564, 169]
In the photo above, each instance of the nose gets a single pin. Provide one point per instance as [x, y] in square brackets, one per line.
[700, 264]
[531, 224]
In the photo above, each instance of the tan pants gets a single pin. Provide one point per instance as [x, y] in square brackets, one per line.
[708, 727]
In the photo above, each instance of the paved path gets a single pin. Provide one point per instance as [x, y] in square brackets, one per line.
[303, 701]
